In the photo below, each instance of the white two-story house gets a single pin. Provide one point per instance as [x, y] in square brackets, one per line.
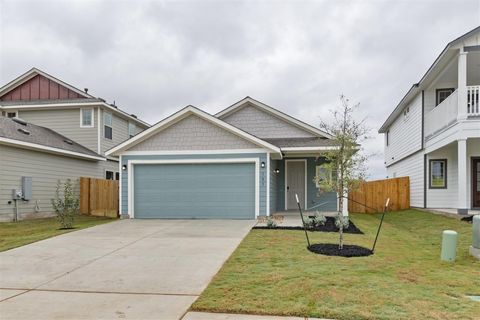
[433, 135]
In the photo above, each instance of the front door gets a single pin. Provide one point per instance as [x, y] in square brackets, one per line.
[476, 183]
[295, 183]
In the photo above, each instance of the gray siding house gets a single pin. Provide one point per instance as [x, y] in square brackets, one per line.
[45, 101]
[248, 160]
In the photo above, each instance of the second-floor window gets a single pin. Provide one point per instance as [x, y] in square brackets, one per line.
[443, 94]
[107, 124]
[86, 118]
[387, 137]
[131, 129]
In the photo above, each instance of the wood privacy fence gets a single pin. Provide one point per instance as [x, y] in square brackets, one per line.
[99, 197]
[374, 194]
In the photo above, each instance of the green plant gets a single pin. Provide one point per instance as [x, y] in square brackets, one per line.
[320, 219]
[343, 223]
[271, 224]
[65, 204]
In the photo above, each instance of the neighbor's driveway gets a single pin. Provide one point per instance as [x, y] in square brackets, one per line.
[129, 269]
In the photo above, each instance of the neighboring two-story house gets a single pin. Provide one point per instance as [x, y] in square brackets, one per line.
[433, 135]
[50, 109]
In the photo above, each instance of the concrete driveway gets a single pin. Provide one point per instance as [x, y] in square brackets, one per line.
[129, 269]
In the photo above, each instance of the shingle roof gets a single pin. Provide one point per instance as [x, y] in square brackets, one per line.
[300, 142]
[11, 129]
[48, 101]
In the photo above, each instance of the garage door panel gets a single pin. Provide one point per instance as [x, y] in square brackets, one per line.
[195, 190]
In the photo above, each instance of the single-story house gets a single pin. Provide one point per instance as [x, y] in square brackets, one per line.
[32, 159]
[248, 160]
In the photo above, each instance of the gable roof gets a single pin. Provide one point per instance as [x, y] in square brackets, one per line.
[21, 134]
[183, 113]
[275, 112]
[86, 100]
[34, 72]
[417, 87]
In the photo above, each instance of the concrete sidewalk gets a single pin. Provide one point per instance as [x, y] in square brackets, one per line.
[228, 316]
[128, 269]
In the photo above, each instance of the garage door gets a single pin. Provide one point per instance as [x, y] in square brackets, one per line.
[204, 191]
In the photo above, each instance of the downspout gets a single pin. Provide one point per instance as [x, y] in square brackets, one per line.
[424, 156]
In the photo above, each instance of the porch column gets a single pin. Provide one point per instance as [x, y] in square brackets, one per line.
[462, 85]
[462, 206]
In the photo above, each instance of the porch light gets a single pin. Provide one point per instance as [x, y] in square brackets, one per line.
[276, 170]
[262, 164]
[124, 167]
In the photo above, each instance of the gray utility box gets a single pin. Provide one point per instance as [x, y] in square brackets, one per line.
[27, 188]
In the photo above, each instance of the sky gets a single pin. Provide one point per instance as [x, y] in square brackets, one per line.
[155, 57]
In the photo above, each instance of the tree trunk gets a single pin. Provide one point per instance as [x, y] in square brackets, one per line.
[340, 219]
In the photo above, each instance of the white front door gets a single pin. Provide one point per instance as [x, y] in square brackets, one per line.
[295, 183]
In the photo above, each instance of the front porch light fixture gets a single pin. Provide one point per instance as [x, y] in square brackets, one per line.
[262, 164]
[276, 170]
[124, 167]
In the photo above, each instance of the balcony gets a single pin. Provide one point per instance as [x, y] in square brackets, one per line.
[448, 112]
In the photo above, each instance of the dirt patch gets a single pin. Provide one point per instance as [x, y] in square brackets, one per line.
[331, 249]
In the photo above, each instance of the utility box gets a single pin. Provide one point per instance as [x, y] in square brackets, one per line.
[16, 194]
[27, 188]
[449, 245]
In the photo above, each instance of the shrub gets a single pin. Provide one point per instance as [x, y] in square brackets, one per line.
[271, 223]
[65, 204]
[317, 220]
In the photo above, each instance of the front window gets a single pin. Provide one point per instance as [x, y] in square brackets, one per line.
[322, 175]
[86, 118]
[12, 114]
[438, 174]
[443, 94]
[107, 123]
[131, 129]
[109, 175]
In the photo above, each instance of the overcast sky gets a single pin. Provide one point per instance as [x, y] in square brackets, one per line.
[154, 57]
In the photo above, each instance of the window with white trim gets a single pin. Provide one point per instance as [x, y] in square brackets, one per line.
[438, 174]
[107, 124]
[86, 118]
[322, 173]
[132, 128]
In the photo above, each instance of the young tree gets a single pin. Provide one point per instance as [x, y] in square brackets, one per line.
[345, 164]
[66, 203]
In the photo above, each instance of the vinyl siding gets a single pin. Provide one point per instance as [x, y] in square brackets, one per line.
[444, 198]
[411, 167]
[405, 133]
[45, 170]
[193, 133]
[263, 124]
[260, 156]
[65, 122]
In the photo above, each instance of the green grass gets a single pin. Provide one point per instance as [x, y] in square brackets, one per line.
[271, 272]
[16, 234]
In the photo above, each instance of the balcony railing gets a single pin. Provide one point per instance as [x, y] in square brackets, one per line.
[442, 115]
[473, 100]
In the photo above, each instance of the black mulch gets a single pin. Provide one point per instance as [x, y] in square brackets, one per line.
[329, 226]
[348, 251]
[468, 219]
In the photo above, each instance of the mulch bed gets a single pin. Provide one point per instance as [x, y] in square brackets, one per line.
[329, 226]
[348, 251]
[468, 219]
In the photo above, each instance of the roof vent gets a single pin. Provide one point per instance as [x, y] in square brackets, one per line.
[67, 141]
[134, 116]
[86, 90]
[19, 121]
[24, 131]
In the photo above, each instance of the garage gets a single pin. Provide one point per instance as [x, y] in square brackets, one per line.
[194, 190]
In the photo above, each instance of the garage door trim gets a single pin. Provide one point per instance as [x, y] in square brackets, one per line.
[131, 171]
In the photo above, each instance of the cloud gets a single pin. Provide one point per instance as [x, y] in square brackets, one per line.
[153, 57]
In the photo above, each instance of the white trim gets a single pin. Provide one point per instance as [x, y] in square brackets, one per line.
[131, 164]
[183, 152]
[99, 122]
[92, 118]
[181, 115]
[120, 187]
[11, 111]
[76, 105]
[268, 185]
[301, 149]
[29, 145]
[286, 180]
[275, 112]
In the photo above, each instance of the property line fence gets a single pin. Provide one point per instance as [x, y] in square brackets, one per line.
[99, 197]
[373, 195]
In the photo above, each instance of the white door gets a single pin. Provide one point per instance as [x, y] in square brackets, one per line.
[295, 183]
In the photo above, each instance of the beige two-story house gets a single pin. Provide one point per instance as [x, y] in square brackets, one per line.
[39, 103]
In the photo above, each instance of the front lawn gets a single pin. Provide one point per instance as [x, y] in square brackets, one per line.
[271, 272]
[16, 234]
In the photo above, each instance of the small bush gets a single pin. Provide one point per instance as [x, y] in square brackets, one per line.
[65, 204]
[271, 223]
[317, 220]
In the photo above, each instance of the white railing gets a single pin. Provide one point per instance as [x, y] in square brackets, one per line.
[473, 100]
[442, 115]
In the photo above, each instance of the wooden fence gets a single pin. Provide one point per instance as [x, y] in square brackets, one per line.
[374, 194]
[99, 197]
